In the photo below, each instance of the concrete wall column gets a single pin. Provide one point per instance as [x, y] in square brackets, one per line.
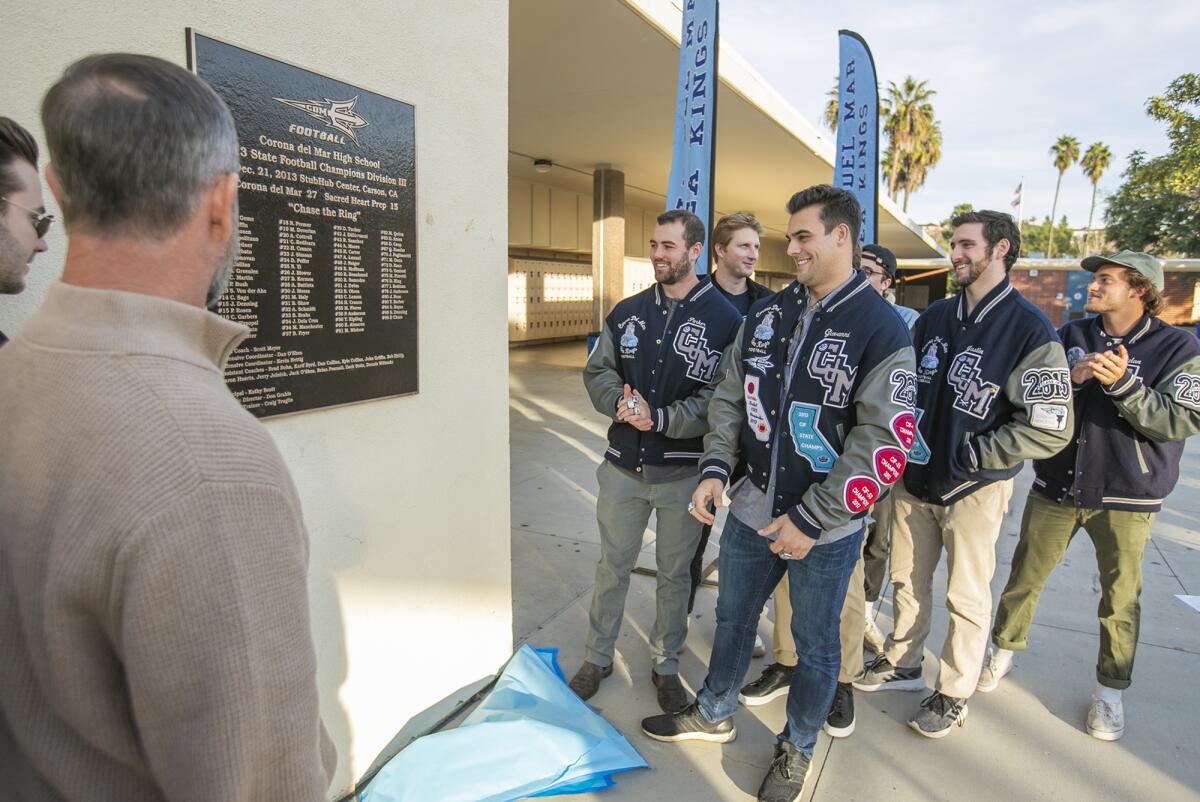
[608, 242]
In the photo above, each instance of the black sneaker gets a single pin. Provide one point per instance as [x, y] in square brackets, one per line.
[775, 681]
[688, 724]
[586, 681]
[938, 714]
[671, 696]
[785, 781]
[880, 675]
[840, 721]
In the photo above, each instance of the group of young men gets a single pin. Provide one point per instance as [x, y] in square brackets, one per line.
[847, 431]
[821, 410]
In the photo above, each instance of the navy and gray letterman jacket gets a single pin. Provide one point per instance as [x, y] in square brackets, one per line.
[1128, 438]
[846, 421]
[993, 390]
[672, 360]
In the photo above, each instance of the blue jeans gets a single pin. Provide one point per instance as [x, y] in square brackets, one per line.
[748, 574]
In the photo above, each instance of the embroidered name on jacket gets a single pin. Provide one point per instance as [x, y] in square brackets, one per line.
[972, 395]
[830, 366]
[692, 344]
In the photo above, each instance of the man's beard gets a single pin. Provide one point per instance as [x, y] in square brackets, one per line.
[677, 271]
[12, 264]
[974, 271]
[224, 267]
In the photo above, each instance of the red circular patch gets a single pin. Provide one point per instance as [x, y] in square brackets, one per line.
[861, 492]
[750, 386]
[889, 464]
[904, 426]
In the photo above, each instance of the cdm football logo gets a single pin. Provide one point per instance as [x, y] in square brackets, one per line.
[692, 344]
[972, 395]
[831, 367]
[336, 114]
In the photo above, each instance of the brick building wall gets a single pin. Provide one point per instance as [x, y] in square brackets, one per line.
[1179, 294]
[1048, 290]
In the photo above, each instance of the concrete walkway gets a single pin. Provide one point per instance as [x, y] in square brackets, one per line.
[1023, 741]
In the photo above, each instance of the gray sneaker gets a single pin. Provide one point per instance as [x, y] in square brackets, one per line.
[994, 670]
[938, 714]
[1106, 721]
[785, 781]
[880, 675]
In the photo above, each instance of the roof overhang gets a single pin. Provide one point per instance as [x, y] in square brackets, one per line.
[592, 83]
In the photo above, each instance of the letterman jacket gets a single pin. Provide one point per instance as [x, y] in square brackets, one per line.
[993, 390]
[845, 424]
[1128, 438]
[672, 360]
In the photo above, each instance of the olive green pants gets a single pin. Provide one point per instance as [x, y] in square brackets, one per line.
[1120, 539]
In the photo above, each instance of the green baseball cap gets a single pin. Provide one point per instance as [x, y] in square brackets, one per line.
[1143, 263]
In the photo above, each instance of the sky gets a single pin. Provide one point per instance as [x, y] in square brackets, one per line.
[1010, 79]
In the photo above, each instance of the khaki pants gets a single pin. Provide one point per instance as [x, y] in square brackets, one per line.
[967, 530]
[854, 612]
[1120, 539]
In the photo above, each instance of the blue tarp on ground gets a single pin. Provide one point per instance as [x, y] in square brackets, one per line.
[531, 736]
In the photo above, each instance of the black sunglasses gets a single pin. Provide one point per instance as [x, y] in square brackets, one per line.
[41, 220]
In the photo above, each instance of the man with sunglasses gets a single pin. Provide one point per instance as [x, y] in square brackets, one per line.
[879, 263]
[23, 218]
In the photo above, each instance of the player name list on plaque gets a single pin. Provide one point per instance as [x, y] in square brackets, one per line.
[325, 274]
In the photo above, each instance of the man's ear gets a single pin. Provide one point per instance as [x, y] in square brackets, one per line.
[220, 203]
[843, 235]
[1001, 249]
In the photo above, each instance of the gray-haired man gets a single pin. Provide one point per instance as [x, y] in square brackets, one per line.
[153, 600]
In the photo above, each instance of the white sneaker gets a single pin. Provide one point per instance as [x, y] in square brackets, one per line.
[760, 648]
[873, 637]
[995, 667]
[1106, 720]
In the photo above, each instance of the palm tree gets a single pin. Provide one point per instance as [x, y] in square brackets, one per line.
[1094, 162]
[923, 158]
[830, 115]
[908, 119]
[1066, 153]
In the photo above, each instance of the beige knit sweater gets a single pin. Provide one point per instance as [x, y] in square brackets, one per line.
[154, 626]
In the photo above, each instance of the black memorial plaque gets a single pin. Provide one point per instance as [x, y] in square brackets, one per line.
[326, 274]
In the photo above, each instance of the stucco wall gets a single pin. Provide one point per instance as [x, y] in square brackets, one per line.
[406, 500]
